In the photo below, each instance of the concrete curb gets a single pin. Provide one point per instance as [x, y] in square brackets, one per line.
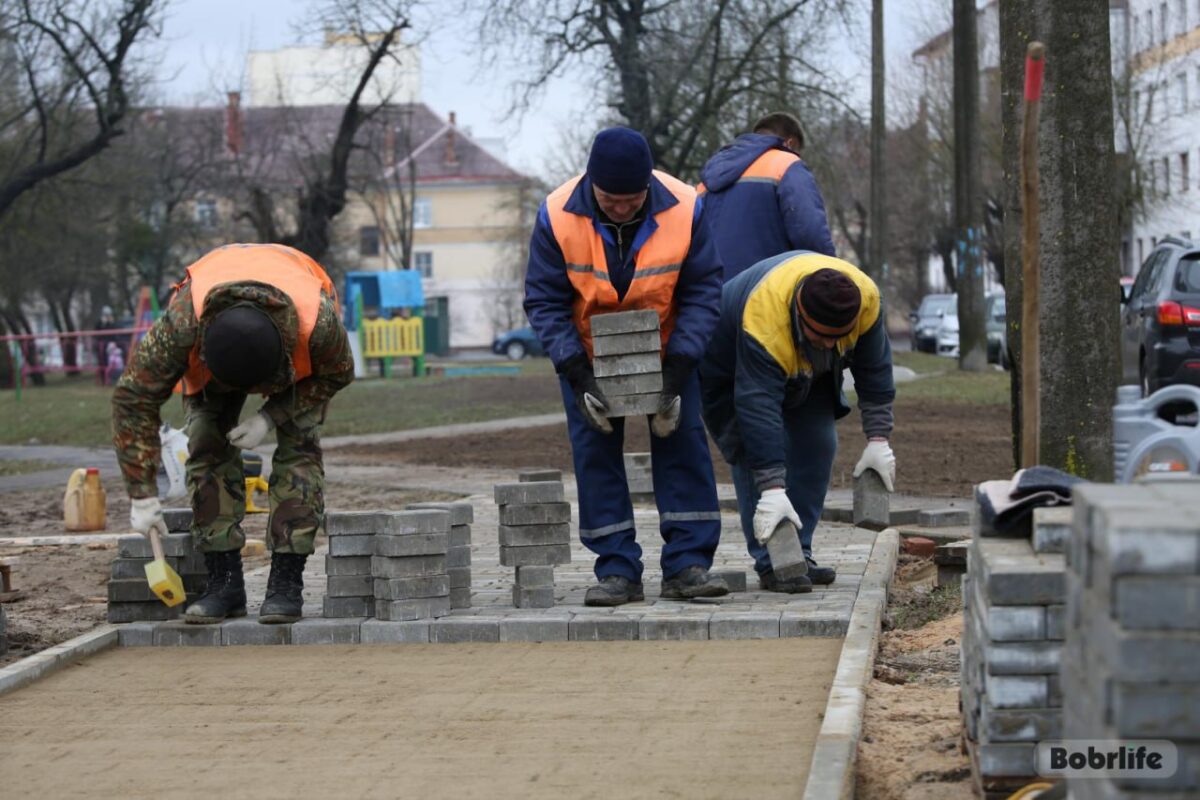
[831, 774]
[39, 665]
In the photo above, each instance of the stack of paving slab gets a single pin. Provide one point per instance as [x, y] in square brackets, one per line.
[535, 535]
[1130, 667]
[409, 565]
[627, 360]
[129, 595]
[458, 551]
[1013, 623]
[349, 585]
[639, 476]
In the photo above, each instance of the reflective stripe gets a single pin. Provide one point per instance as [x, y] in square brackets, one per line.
[758, 180]
[596, 533]
[690, 516]
[579, 267]
[646, 273]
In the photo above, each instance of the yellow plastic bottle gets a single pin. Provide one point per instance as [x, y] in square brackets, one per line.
[85, 504]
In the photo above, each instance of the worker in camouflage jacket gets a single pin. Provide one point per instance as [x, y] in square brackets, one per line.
[247, 319]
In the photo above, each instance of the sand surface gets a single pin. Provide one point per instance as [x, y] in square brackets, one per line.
[715, 719]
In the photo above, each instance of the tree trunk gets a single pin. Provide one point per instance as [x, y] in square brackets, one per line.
[1080, 293]
[968, 216]
[878, 215]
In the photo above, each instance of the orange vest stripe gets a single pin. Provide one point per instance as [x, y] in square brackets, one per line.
[656, 266]
[770, 166]
[292, 272]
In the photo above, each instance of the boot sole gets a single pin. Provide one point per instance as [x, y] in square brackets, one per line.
[606, 603]
[198, 620]
[693, 592]
[279, 619]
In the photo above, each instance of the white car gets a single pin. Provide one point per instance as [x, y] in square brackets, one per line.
[947, 334]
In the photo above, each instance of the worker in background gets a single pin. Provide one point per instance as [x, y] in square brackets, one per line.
[760, 199]
[247, 319]
[772, 385]
[624, 236]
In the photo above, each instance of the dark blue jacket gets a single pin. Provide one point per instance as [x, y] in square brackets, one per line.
[758, 218]
[549, 295]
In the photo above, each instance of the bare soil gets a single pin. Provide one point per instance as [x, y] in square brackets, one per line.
[942, 448]
[622, 719]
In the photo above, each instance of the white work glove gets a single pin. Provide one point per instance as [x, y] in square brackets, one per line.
[250, 433]
[146, 513]
[773, 508]
[596, 411]
[878, 456]
[666, 420]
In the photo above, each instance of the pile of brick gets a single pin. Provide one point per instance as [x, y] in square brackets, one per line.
[1133, 635]
[349, 585]
[458, 553]
[535, 535]
[129, 595]
[627, 362]
[409, 565]
[1013, 624]
[639, 476]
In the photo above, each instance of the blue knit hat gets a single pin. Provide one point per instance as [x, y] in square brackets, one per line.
[620, 162]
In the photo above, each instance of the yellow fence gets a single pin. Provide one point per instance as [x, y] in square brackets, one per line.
[392, 338]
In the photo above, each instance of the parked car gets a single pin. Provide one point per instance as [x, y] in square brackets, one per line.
[1160, 322]
[997, 331]
[517, 344]
[927, 319]
[947, 332]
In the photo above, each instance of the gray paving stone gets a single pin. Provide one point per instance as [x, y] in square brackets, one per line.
[178, 520]
[1134, 655]
[530, 535]
[633, 405]
[410, 567]
[537, 597]
[354, 523]
[626, 364]
[404, 610]
[528, 492]
[460, 577]
[130, 568]
[460, 597]
[1148, 542]
[537, 475]
[459, 630]
[460, 536]
[674, 628]
[943, 517]
[1020, 725]
[535, 577]
[174, 545]
[349, 585]
[1156, 710]
[140, 612]
[1018, 691]
[743, 625]
[735, 579]
[630, 384]
[428, 520]
[247, 631]
[378, 631]
[352, 545]
[136, 634]
[345, 607]
[131, 590]
[1012, 574]
[1054, 697]
[458, 557]
[338, 566]
[326, 631]
[1051, 529]
[178, 633]
[786, 552]
[535, 514]
[412, 544]
[1015, 623]
[602, 628]
[1056, 622]
[1022, 658]
[799, 623]
[621, 322]
[547, 555]
[1007, 760]
[648, 341]
[412, 588]
[871, 502]
[1163, 602]
[534, 629]
[461, 512]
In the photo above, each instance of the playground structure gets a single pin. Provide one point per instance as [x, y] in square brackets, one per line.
[386, 336]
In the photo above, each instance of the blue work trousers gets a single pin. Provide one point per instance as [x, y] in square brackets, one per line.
[810, 445]
[684, 489]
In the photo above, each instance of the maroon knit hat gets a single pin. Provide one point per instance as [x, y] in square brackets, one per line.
[829, 302]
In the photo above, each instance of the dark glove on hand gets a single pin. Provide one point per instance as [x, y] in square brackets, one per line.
[588, 398]
[676, 371]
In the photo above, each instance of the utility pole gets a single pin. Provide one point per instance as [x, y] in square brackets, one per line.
[968, 205]
[877, 244]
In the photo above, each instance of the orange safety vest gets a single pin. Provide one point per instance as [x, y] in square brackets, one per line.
[285, 268]
[656, 266]
[767, 168]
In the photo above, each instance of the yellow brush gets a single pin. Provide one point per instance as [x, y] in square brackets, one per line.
[164, 581]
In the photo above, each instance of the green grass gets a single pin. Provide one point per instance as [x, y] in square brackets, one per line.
[923, 363]
[970, 388]
[24, 467]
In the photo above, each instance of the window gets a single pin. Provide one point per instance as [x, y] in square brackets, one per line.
[423, 263]
[368, 240]
[422, 213]
[206, 213]
[1181, 88]
[1183, 172]
[1166, 176]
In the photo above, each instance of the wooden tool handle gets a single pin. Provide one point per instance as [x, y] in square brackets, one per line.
[155, 544]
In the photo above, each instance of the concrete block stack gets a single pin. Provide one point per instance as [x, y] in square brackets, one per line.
[639, 476]
[535, 535]
[349, 585]
[129, 596]
[458, 553]
[627, 361]
[1013, 614]
[1129, 669]
[409, 565]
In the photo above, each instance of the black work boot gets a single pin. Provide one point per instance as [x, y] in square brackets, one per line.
[822, 576]
[694, 581]
[225, 594]
[285, 588]
[614, 590]
[801, 584]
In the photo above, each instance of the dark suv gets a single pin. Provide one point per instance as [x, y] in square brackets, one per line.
[1160, 322]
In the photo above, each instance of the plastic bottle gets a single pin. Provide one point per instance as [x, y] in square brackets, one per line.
[85, 504]
[73, 501]
[1144, 442]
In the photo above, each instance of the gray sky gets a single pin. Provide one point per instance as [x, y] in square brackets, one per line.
[205, 43]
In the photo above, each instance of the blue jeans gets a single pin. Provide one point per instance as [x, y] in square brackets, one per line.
[684, 490]
[811, 444]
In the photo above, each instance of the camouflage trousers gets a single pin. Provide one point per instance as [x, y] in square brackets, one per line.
[217, 484]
